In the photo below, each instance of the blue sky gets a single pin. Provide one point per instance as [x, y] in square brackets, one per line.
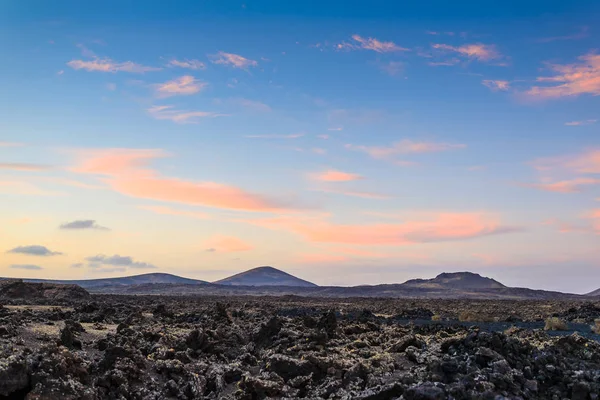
[344, 142]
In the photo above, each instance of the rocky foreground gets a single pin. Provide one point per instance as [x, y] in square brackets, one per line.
[125, 347]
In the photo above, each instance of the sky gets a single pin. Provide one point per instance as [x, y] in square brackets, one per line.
[344, 142]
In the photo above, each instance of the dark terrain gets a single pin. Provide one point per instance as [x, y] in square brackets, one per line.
[59, 342]
[268, 281]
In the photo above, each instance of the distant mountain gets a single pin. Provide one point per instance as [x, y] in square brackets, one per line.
[594, 293]
[264, 276]
[455, 280]
[124, 281]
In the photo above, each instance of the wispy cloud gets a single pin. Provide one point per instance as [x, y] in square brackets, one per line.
[571, 80]
[587, 162]
[392, 68]
[579, 123]
[496, 85]
[252, 105]
[24, 167]
[118, 261]
[582, 34]
[29, 267]
[34, 250]
[83, 224]
[181, 116]
[108, 65]
[227, 244]
[332, 175]
[171, 211]
[184, 85]
[276, 136]
[361, 43]
[404, 147]
[10, 144]
[233, 60]
[25, 188]
[354, 193]
[431, 228]
[475, 51]
[126, 171]
[188, 64]
[566, 186]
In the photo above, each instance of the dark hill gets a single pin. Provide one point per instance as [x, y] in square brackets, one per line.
[125, 281]
[455, 280]
[264, 276]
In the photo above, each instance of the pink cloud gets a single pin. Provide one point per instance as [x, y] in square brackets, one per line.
[227, 244]
[566, 186]
[477, 51]
[171, 211]
[108, 65]
[587, 162]
[580, 123]
[405, 146]
[233, 60]
[571, 80]
[434, 228]
[181, 116]
[185, 85]
[126, 171]
[276, 136]
[335, 176]
[370, 44]
[496, 85]
[10, 144]
[188, 64]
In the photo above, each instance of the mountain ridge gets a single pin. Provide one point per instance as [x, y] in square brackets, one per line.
[264, 276]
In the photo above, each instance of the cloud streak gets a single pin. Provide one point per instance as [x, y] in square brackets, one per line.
[24, 167]
[34, 250]
[184, 86]
[405, 147]
[332, 175]
[188, 64]
[126, 171]
[170, 113]
[496, 85]
[108, 65]
[232, 60]
[474, 51]
[567, 186]
[83, 225]
[118, 261]
[570, 80]
[29, 267]
[438, 227]
[362, 43]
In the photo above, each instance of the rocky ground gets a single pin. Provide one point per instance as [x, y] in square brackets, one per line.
[126, 347]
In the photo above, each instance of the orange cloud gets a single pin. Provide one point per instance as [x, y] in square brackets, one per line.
[108, 65]
[370, 44]
[335, 176]
[227, 244]
[233, 60]
[405, 146]
[189, 64]
[566, 186]
[181, 116]
[171, 211]
[587, 162]
[126, 172]
[571, 79]
[496, 85]
[434, 228]
[185, 85]
[477, 51]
